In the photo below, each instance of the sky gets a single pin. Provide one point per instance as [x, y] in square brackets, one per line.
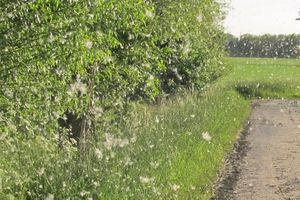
[263, 16]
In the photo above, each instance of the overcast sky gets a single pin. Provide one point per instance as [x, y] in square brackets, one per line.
[263, 16]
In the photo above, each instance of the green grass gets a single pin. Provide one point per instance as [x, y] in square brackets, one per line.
[169, 159]
[265, 78]
[187, 159]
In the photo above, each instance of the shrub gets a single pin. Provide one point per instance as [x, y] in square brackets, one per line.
[93, 58]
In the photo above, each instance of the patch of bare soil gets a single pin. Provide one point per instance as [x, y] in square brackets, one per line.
[265, 163]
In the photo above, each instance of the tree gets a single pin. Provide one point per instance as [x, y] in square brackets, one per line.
[281, 46]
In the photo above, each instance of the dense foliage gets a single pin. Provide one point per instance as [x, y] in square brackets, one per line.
[110, 52]
[279, 46]
[93, 58]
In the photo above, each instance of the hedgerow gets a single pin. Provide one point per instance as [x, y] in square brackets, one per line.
[93, 58]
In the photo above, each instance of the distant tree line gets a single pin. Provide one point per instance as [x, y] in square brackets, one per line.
[279, 46]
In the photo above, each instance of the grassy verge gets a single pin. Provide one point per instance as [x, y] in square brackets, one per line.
[186, 159]
[170, 151]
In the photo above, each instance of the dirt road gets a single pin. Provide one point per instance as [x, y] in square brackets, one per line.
[266, 162]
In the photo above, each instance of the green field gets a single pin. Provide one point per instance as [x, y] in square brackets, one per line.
[172, 156]
[265, 78]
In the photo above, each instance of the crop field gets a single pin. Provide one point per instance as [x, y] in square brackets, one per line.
[265, 77]
[177, 150]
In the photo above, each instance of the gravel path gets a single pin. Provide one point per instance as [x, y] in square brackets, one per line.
[265, 164]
